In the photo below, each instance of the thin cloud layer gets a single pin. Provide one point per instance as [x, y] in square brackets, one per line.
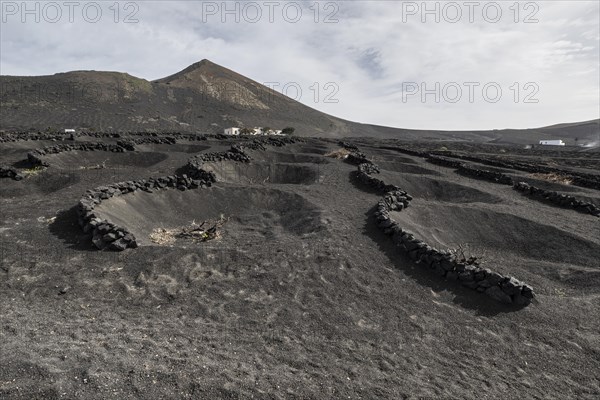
[368, 61]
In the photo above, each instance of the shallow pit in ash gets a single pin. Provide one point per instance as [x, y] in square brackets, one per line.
[250, 213]
[264, 173]
[406, 168]
[289, 158]
[188, 148]
[315, 149]
[451, 226]
[549, 185]
[91, 159]
[422, 187]
[382, 157]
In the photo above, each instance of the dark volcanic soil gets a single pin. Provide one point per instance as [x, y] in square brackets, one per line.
[253, 214]
[301, 298]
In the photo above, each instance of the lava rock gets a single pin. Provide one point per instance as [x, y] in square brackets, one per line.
[118, 245]
[497, 294]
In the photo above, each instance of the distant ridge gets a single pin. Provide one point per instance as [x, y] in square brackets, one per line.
[205, 98]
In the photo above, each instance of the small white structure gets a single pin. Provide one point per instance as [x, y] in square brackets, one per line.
[69, 130]
[232, 131]
[253, 131]
[558, 142]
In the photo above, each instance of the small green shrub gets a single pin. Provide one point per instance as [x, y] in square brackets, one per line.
[33, 171]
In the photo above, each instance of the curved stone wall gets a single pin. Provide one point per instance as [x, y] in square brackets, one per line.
[195, 165]
[10, 172]
[27, 136]
[579, 178]
[236, 153]
[35, 157]
[492, 176]
[149, 140]
[471, 170]
[534, 192]
[108, 236]
[505, 289]
[582, 179]
[502, 288]
[556, 198]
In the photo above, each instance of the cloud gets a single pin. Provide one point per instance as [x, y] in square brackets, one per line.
[361, 54]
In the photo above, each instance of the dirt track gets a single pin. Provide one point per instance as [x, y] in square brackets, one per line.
[301, 298]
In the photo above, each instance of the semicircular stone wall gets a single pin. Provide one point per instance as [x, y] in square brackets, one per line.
[502, 288]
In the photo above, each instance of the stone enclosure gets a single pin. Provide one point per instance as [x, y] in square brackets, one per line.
[446, 264]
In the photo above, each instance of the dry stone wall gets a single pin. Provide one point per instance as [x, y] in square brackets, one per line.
[582, 179]
[149, 140]
[35, 157]
[471, 170]
[235, 153]
[195, 165]
[10, 172]
[591, 181]
[534, 192]
[108, 236]
[274, 141]
[556, 198]
[410, 152]
[27, 136]
[492, 176]
[36, 136]
[502, 288]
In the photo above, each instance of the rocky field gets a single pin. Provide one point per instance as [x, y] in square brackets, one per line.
[203, 267]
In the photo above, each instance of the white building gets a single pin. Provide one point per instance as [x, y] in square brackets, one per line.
[558, 142]
[253, 131]
[232, 131]
[69, 130]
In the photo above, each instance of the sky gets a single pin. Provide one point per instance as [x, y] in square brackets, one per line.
[464, 65]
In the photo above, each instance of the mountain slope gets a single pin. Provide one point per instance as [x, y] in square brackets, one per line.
[204, 98]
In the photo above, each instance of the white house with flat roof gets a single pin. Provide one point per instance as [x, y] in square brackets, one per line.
[557, 142]
[232, 131]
